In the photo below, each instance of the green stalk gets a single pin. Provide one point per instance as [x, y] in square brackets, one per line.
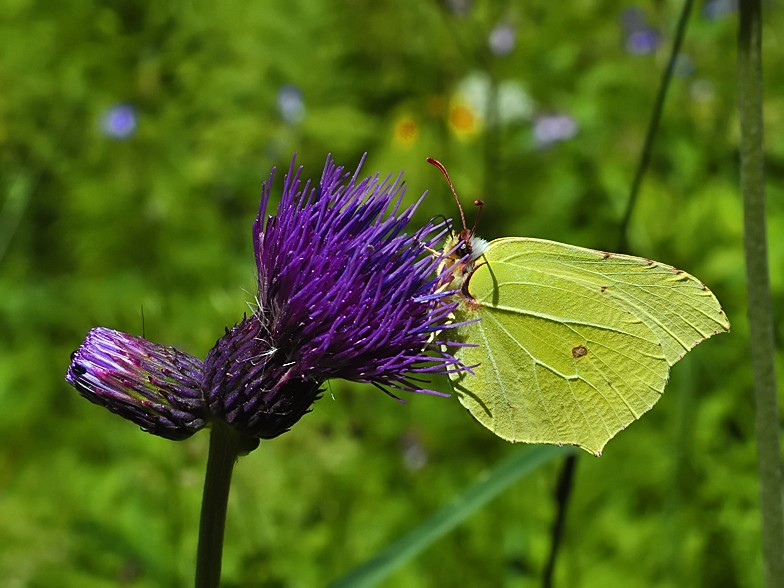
[225, 447]
[653, 125]
[752, 183]
[562, 495]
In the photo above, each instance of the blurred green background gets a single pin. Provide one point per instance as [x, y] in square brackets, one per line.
[134, 138]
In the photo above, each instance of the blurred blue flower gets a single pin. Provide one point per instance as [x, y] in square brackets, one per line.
[343, 292]
[550, 128]
[119, 122]
[502, 39]
[716, 9]
[643, 41]
[291, 104]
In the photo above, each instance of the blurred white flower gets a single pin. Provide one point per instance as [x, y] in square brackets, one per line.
[471, 100]
[414, 455]
[716, 9]
[633, 19]
[513, 102]
[459, 7]
[474, 90]
[684, 66]
[701, 91]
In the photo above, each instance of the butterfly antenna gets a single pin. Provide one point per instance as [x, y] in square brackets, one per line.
[144, 336]
[440, 166]
[481, 205]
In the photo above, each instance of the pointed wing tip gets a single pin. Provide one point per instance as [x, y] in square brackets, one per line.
[596, 452]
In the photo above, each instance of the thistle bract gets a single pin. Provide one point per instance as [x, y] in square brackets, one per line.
[343, 292]
[251, 387]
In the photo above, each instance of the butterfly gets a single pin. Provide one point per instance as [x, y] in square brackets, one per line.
[572, 344]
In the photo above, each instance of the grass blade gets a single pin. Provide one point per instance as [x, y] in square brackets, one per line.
[502, 476]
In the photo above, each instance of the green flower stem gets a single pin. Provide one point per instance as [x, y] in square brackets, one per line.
[562, 495]
[752, 182]
[225, 447]
[653, 125]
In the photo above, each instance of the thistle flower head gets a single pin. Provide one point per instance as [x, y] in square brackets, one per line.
[343, 292]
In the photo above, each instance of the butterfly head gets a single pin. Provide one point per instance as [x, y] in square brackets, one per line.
[462, 249]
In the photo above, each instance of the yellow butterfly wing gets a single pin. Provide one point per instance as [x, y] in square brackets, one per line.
[574, 344]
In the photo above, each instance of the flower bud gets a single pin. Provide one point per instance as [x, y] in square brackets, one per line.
[155, 386]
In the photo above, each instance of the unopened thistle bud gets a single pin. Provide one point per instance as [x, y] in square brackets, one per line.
[156, 387]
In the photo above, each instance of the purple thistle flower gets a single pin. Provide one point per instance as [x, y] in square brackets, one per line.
[343, 292]
[156, 387]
